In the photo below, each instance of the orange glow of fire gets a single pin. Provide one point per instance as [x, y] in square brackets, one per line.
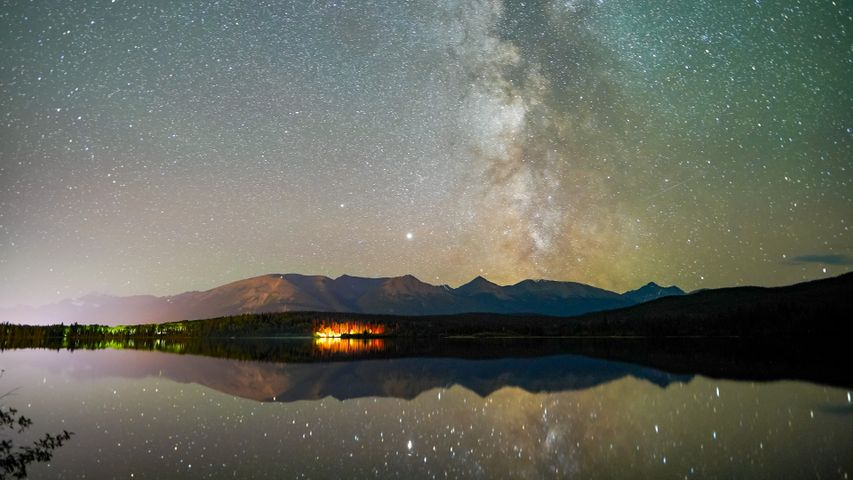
[339, 329]
[325, 346]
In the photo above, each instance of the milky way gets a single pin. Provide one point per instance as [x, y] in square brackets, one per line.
[157, 148]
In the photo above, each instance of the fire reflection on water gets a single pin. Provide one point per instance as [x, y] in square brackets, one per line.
[347, 346]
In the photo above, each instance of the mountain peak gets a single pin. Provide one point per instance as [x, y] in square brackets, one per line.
[478, 285]
[651, 291]
[481, 280]
[405, 280]
[406, 284]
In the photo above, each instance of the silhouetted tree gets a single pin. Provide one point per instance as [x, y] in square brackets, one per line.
[14, 461]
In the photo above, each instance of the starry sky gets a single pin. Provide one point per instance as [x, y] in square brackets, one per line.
[158, 147]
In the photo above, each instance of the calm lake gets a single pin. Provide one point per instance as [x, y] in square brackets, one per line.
[352, 414]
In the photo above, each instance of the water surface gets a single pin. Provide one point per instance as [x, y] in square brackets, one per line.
[146, 414]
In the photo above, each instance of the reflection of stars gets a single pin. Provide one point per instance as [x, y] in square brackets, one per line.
[409, 236]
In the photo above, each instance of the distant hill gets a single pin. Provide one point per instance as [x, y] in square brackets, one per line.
[405, 295]
[820, 307]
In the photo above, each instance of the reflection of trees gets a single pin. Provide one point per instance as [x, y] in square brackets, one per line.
[14, 461]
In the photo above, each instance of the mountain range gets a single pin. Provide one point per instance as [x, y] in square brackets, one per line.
[405, 295]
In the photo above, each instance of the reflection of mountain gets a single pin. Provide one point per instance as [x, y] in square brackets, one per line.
[404, 295]
[401, 378]
[409, 377]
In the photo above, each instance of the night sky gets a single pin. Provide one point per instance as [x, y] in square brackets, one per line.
[158, 147]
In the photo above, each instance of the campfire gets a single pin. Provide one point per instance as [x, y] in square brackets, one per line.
[348, 330]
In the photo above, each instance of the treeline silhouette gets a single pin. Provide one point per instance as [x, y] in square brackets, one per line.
[818, 308]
